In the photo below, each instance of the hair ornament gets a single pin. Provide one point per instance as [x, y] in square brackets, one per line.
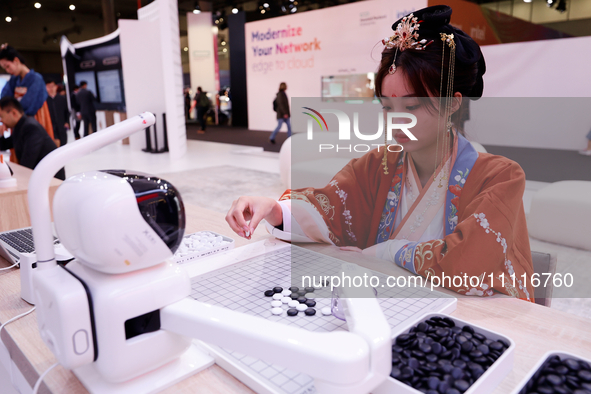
[406, 36]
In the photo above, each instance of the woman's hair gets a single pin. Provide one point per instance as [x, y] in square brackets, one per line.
[282, 86]
[9, 53]
[423, 68]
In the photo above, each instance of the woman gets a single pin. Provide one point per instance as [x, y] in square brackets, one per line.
[436, 208]
[25, 85]
[282, 109]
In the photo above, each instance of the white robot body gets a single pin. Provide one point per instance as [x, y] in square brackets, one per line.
[128, 348]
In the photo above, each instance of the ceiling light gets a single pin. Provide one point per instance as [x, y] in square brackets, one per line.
[186, 49]
[262, 11]
[37, 5]
[223, 42]
[196, 11]
[266, 5]
[234, 10]
[217, 22]
[72, 7]
[225, 50]
[294, 9]
[527, 1]
[8, 19]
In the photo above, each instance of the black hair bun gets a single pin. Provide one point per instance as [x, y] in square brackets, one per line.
[435, 20]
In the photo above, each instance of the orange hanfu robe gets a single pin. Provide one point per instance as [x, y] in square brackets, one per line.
[484, 225]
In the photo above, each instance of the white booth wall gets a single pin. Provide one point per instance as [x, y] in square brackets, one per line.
[348, 38]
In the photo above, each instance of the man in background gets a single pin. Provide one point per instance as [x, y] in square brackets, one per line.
[58, 110]
[76, 109]
[201, 101]
[86, 101]
[30, 140]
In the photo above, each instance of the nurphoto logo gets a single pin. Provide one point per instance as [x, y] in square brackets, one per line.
[392, 123]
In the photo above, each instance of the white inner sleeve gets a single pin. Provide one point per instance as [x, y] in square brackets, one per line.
[292, 230]
[387, 250]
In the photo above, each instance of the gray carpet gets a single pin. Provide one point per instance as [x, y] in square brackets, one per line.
[547, 165]
[216, 188]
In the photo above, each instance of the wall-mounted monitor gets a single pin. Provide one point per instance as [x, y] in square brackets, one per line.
[87, 76]
[109, 85]
[347, 85]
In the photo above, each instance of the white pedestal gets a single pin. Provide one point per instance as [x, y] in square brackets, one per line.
[191, 362]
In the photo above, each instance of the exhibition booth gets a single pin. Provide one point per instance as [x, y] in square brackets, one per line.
[117, 281]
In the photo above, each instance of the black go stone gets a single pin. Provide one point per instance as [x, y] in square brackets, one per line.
[302, 300]
[292, 312]
[310, 312]
[302, 292]
[269, 293]
[294, 296]
[277, 289]
[558, 375]
[294, 289]
[309, 289]
[435, 356]
[310, 303]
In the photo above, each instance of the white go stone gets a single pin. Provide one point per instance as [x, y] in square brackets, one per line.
[293, 303]
[302, 307]
[286, 300]
[277, 296]
[276, 303]
[309, 296]
[277, 311]
[286, 292]
[326, 311]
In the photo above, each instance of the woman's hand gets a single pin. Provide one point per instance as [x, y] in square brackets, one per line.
[253, 209]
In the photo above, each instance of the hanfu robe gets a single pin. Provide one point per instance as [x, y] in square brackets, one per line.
[478, 228]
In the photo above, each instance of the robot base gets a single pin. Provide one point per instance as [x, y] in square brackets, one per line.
[189, 363]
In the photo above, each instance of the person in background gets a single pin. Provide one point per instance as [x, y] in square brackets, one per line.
[282, 109]
[29, 140]
[25, 85]
[201, 101]
[58, 109]
[587, 152]
[187, 97]
[86, 101]
[76, 109]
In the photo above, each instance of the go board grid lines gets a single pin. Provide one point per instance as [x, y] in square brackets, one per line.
[240, 287]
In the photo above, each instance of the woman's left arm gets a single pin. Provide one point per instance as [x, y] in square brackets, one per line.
[36, 95]
[488, 250]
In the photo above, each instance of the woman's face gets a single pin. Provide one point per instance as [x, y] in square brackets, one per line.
[11, 67]
[398, 96]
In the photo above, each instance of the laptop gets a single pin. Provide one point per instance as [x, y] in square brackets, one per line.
[15, 243]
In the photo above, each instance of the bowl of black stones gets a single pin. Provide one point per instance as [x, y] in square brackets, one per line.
[558, 372]
[445, 355]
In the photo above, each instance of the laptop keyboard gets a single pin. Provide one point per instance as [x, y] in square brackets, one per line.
[21, 240]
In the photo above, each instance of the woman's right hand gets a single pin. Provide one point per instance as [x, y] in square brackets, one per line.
[253, 209]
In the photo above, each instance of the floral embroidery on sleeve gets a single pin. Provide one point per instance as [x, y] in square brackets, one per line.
[455, 187]
[483, 221]
[389, 213]
[346, 213]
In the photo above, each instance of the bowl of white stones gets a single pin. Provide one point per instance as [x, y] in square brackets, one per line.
[201, 244]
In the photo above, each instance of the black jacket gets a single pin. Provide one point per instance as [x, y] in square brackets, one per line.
[32, 143]
[282, 105]
[86, 101]
[58, 109]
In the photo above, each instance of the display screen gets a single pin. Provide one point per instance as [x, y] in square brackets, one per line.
[87, 76]
[3, 80]
[109, 85]
[351, 85]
